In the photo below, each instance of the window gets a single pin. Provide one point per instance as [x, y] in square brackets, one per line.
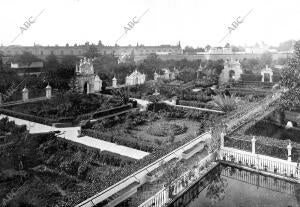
[52, 53]
[42, 53]
[72, 52]
[62, 52]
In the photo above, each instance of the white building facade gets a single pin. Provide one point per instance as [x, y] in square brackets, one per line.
[135, 78]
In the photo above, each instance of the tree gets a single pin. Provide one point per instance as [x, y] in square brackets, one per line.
[291, 80]
[251, 64]
[26, 58]
[69, 61]
[266, 59]
[151, 64]
[1, 59]
[92, 52]
[207, 47]
[286, 46]
[51, 62]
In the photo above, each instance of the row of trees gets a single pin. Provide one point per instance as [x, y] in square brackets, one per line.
[59, 72]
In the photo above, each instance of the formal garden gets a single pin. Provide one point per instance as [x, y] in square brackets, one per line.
[43, 170]
[70, 107]
[160, 126]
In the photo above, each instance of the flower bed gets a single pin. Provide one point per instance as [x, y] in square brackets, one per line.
[124, 139]
[196, 104]
[166, 129]
[155, 174]
[65, 106]
[54, 166]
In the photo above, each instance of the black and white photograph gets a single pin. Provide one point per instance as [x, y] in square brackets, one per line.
[149, 103]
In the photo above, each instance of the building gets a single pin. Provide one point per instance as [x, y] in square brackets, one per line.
[232, 71]
[135, 78]
[167, 74]
[80, 50]
[35, 68]
[87, 81]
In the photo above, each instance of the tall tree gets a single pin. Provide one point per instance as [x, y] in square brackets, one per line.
[291, 80]
[92, 51]
[69, 62]
[26, 58]
[51, 62]
[1, 59]
[266, 59]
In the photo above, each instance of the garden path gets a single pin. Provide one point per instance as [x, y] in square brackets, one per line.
[71, 133]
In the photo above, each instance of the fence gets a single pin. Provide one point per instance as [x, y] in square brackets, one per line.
[261, 162]
[182, 183]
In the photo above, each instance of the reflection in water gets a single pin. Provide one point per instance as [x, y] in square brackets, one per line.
[216, 189]
[229, 186]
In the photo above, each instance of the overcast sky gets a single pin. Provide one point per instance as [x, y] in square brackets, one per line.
[193, 22]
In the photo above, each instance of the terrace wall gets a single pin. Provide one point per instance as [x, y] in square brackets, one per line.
[140, 175]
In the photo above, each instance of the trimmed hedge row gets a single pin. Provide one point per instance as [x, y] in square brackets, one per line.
[195, 104]
[118, 109]
[28, 117]
[271, 151]
[235, 142]
[99, 114]
[251, 77]
[125, 141]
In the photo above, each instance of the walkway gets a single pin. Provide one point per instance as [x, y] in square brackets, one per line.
[255, 111]
[71, 133]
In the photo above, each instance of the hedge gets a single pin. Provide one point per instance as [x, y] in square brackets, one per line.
[125, 141]
[235, 142]
[271, 151]
[28, 117]
[118, 109]
[251, 77]
[195, 104]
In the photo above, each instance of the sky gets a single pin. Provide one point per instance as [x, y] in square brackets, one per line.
[192, 22]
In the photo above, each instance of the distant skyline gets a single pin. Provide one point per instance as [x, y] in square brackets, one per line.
[194, 23]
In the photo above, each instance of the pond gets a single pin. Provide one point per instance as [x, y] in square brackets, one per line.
[228, 186]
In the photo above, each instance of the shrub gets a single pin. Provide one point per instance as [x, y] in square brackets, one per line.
[225, 103]
[235, 142]
[166, 129]
[122, 139]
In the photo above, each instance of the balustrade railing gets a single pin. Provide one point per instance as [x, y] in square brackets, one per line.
[261, 162]
[179, 185]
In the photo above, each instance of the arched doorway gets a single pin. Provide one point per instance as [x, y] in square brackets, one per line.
[85, 87]
[231, 75]
[267, 77]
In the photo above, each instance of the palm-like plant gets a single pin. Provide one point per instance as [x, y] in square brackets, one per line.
[225, 103]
